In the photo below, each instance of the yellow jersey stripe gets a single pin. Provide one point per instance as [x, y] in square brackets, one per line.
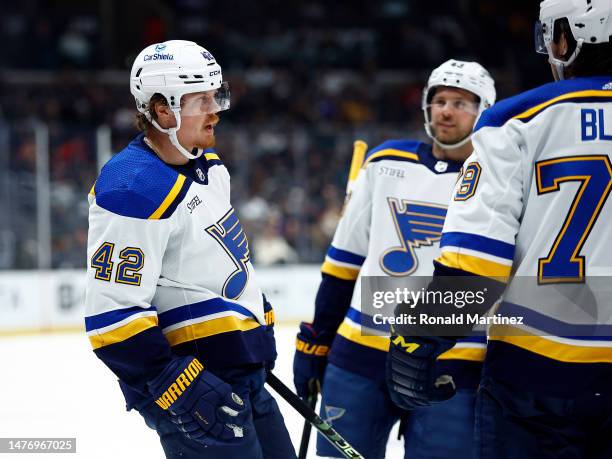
[122, 333]
[475, 265]
[341, 272]
[558, 351]
[354, 334]
[211, 156]
[382, 343]
[391, 152]
[475, 354]
[176, 188]
[92, 192]
[210, 327]
[571, 95]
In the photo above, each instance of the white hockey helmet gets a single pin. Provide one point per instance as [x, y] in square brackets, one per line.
[470, 76]
[175, 68]
[589, 21]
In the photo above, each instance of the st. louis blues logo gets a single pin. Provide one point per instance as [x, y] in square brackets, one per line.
[417, 224]
[332, 413]
[228, 232]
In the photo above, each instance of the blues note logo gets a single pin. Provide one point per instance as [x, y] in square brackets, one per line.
[228, 233]
[332, 413]
[417, 224]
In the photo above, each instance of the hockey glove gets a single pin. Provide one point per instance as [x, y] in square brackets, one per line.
[411, 371]
[202, 406]
[310, 358]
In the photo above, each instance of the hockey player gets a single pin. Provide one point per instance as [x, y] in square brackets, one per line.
[536, 205]
[391, 226]
[172, 307]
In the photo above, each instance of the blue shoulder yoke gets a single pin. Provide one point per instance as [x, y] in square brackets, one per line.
[527, 105]
[136, 183]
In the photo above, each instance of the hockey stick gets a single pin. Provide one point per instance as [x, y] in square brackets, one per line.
[313, 392]
[359, 151]
[326, 430]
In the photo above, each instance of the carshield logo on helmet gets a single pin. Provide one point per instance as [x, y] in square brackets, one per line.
[159, 48]
[158, 57]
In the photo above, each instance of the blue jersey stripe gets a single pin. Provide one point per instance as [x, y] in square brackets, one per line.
[200, 309]
[554, 327]
[479, 243]
[111, 317]
[366, 320]
[345, 256]
[479, 337]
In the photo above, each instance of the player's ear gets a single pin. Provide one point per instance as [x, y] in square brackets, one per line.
[164, 115]
[563, 45]
[560, 47]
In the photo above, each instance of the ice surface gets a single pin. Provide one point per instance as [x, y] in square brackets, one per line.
[54, 386]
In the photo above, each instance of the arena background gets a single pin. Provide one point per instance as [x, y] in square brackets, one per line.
[306, 79]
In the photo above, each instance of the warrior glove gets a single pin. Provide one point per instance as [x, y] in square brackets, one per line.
[202, 406]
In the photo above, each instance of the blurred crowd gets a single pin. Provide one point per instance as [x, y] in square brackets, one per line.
[307, 78]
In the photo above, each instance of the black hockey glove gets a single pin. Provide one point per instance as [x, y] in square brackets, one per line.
[411, 371]
[202, 406]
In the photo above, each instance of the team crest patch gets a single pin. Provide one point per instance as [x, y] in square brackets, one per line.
[332, 413]
[417, 224]
[228, 233]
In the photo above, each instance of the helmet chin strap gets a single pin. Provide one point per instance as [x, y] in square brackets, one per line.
[560, 68]
[171, 132]
[446, 146]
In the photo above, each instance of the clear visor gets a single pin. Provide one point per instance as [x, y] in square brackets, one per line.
[457, 105]
[206, 102]
[538, 35]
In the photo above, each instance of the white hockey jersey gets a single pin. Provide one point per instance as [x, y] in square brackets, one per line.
[169, 266]
[391, 226]
[532, 208]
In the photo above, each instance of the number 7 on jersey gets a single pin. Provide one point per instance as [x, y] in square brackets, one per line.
[564, 264]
